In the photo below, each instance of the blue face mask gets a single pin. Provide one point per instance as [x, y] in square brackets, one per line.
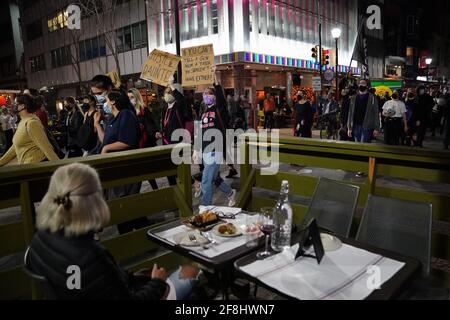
[101, 98]
[107, 109]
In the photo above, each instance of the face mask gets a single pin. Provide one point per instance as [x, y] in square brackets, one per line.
[16, 109]
[107, 109]
[169, 98]
[85, 107]
[209, 100]
[133, 102]
[362, 88]
[101, 98]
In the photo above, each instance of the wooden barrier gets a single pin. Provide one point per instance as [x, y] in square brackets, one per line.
[374, 160]
[27, 184]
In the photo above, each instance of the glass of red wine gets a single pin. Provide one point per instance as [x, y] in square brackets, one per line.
[267, 227]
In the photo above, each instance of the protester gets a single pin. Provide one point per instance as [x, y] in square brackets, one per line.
[303, 115]
[122, 133]
[30, 142]
[174, 116]
[269, 108]
[73, 122]
[214, 118]
[424, 108]
[346, 94]
[363, 116]
[69, 220]
[446, 121]
[147, 124]
[411, 109]
[394, 112]
[6, 124]
[330, 112]
[42, 113]
[87, 134]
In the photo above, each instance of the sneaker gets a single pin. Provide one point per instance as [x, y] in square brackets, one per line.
[198, 190]
[232, 199]
[360, 175]
[233, 172]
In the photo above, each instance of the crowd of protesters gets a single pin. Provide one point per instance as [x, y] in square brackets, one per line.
[407, 117]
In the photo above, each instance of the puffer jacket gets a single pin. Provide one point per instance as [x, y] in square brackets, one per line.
[50, 256]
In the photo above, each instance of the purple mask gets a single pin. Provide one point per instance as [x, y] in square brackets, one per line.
[209, 100]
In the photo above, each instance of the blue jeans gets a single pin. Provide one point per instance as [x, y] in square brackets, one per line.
[211, 162]
[362, 135]
[183, 287]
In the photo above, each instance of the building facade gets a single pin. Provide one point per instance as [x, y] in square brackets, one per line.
[63, 60]
[258, 44]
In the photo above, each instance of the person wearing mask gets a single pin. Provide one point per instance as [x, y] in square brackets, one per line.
[30, 143]
[69, 222]
[87, 135]
[6, 124]
[146, 122]
[269, 108]
[73, 122]
[215, 118]
[173, 116]
[330, 112]
[424, 106]
[363, 117]
[446, 121]
[411, 108]
[303, 115]
[394, 112]
[122, 133]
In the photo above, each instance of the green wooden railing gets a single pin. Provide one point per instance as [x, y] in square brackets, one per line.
[374, 160]
[25, 185]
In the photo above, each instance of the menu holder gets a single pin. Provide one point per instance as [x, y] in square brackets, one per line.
[306, 237]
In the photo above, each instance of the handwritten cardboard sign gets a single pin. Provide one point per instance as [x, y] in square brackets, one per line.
[159, 67]
[197, 65]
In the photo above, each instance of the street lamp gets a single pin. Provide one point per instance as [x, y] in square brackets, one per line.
[336, 33]
[428, 61]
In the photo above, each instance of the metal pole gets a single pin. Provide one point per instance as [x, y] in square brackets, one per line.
[320, 42]
[337, 70]
[177, 38]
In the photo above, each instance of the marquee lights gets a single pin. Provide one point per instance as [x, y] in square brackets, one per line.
[249, 57]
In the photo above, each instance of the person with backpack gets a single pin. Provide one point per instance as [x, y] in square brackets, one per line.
[214, 117]
[174, 116]
[87, 135]
[30, 143]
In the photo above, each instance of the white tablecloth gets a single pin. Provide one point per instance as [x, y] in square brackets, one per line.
[223, 244]
[342, 275]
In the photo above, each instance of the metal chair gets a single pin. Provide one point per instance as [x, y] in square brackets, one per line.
[333, 206]
[398, 226]
[46, 287]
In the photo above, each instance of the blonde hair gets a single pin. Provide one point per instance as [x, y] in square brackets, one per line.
[139, 101]
[74, 202]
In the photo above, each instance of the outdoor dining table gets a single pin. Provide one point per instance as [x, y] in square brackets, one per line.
[291, 279]
[220, 257]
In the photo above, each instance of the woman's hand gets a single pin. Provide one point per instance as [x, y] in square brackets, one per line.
[97, 117]
[158, 136]
[159, 273]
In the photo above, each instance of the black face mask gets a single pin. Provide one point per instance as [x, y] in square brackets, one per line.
[362, 88]
[16, 109]
[85, 107]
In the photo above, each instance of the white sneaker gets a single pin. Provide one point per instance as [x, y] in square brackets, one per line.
[232, 199]
[198, 190]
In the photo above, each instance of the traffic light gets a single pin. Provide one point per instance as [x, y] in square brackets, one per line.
[315, 53]
[325, 57]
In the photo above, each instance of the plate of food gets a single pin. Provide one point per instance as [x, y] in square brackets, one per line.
[191, 239]
[227, 230]
[204, 221]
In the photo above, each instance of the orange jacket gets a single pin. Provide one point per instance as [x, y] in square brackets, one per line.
[269, 105]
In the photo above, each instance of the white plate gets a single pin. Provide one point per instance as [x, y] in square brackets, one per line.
[237, 234]
[182, 239]
[330, 243]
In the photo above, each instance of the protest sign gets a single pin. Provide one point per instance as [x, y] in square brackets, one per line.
[197, 63]
[159, 67]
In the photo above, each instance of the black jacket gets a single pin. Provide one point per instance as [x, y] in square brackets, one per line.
[50, 255]
[73, 122]
[173, 119]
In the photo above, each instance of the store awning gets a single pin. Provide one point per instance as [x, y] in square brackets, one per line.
[393, 84]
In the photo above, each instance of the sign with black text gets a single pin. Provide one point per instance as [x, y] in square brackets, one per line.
[197, 63]
[159, 67]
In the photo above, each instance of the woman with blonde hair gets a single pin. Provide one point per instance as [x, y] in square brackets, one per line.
[69, 219]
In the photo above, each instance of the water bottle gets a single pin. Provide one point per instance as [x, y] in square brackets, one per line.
[282, 219]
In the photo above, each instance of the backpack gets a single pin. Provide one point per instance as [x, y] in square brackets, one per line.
[51, 138]
[87, 138]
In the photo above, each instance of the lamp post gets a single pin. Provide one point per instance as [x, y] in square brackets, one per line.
[428, 61]
[177, 37]
[336, 33]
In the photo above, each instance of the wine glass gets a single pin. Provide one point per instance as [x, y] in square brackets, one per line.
[267, 227]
